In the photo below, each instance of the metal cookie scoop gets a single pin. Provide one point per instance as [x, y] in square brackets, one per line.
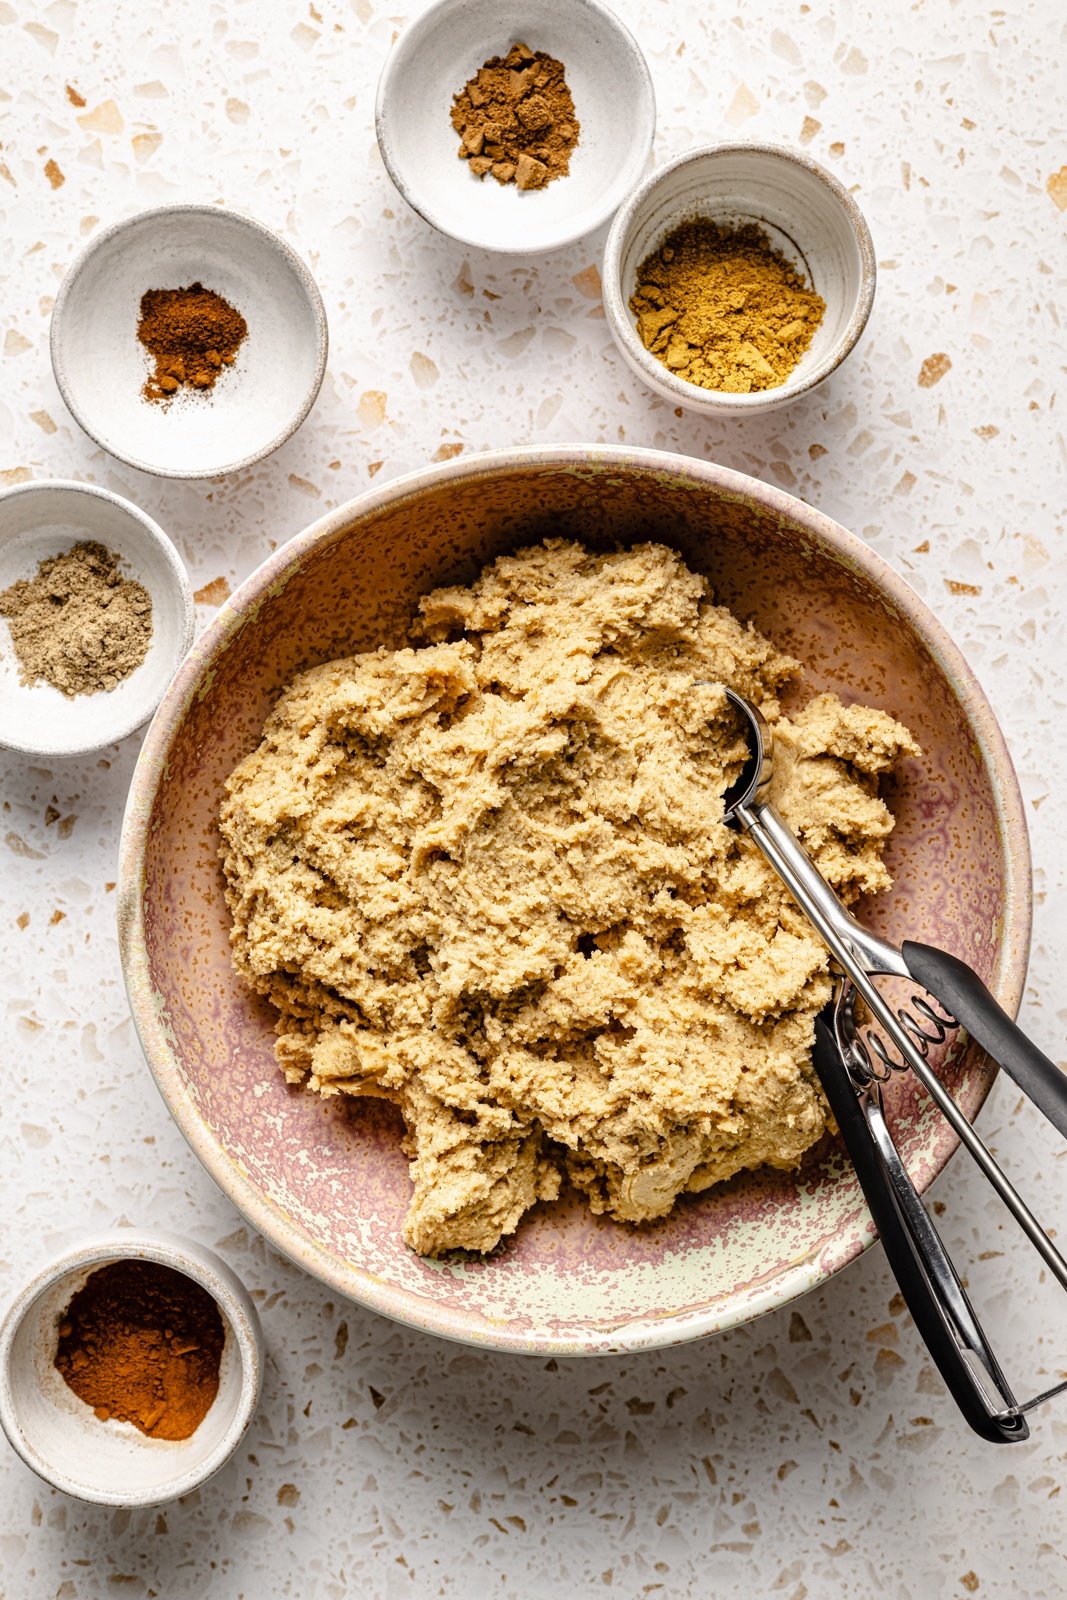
[852, 1063]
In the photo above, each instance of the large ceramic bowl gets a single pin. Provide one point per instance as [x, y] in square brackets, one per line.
[328, 1184]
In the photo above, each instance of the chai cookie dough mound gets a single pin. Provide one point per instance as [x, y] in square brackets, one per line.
[488, 878]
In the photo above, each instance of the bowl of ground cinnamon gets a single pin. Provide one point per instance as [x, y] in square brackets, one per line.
[95, 615]
[130, 1368]
[513, 127]
[738, 277]
[189, 341]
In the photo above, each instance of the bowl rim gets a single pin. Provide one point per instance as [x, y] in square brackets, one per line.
[297, 266]
[181, 587]
[187, 1256]
[717, 401]
[346, 1277]
[595, 215]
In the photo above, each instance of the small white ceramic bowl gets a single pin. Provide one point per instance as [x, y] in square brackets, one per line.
[38, 520]
[101, 366]
[112, 1463]
[613, 100]
[809, 216]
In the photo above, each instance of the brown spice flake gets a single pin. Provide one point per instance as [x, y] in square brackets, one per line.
[516, 119]
[53, 174]
[933, 370]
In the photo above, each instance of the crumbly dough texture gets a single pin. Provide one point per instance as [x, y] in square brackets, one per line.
[487, 878]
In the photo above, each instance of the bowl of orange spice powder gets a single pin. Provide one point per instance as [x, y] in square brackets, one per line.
[130, 1368]
[737, 278]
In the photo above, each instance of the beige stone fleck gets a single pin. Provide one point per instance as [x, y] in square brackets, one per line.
[104, 118]
[988, 430]
[237, 111]
[15, 343]
[18, 846]
[743, 105]
[145, 145]
[74, 97]
[1057, 188]
[47, 38]
[371, 408]
[424, 370]
[587, 282]
[854, 63]
[449, 451]
[837, 148]
[213, 593]
[305, 486]
[53, 174]
[933, 370]
[808, 129]
[12, 475]
[434, 877]
[954, 586]
[43, 421]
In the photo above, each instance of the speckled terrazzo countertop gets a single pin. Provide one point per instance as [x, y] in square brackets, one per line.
[812, 1454]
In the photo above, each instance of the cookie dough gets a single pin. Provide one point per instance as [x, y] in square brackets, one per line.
[488, 878]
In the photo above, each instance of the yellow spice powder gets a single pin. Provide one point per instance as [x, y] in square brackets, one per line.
[721, 307]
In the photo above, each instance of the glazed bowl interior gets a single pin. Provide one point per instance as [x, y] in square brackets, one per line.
[327, 1183]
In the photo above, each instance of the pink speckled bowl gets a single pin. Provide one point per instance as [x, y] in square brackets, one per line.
[326, 1183]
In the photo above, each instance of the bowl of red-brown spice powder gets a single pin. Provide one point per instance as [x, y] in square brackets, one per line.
[189, 341]
[129, 1368]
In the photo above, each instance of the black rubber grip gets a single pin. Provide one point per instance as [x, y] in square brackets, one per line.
[914, 1285]
[962, 992]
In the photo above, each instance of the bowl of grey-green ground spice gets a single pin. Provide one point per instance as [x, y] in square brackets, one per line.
[96, 613]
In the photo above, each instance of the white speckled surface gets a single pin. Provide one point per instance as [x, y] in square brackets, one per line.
[813, 1453]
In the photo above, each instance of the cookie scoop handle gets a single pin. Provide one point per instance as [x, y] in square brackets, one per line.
[962, 992]
[931, 1287]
